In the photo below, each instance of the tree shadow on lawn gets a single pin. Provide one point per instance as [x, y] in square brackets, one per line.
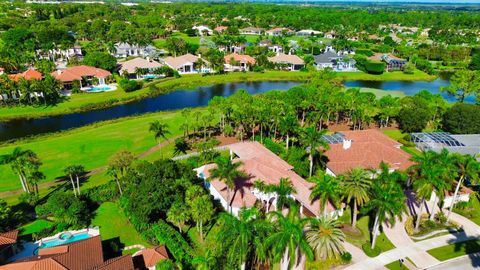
[471, 247]
[112, 248]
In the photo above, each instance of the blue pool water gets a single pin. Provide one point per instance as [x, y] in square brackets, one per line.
[58, 242]
[99, 89]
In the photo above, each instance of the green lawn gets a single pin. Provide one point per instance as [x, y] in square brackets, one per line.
[364, 235]
[90, 146]
[455, 250]
[472, 209]
[387, 76]
[35, 227]
[396, 265]
[113, 223]
[381, 93]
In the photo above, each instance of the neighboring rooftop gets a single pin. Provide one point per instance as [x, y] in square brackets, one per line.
[77, 72]
[465, 144]
[151, 256]
[239, 58]
[286, 59]
[8, 238]
[29, 74]
[131, 65]
[179, 61]
[365, 149]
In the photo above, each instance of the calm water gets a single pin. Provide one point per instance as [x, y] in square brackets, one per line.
[185, 99]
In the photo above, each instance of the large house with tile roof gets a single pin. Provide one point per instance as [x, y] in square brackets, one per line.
[259, 163]
[185, 64]
[29, 74]
[130, 67]
[363, 149]
[87, 254]
[83, 74]
[238, 62]
[287, 61]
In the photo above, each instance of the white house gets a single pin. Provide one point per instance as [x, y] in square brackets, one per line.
[276, 32]
[61, 54]
[238, 62]
[124, 50]
[203, 30]
[251, 31]
[308, 33]
[131, 67]
[259, 163]
[185, 64]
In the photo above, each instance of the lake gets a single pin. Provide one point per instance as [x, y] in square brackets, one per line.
[180, 99]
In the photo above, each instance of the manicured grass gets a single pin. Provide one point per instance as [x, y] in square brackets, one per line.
[381, 93]
[113, 223]
[396, 265]
[90, 146]
[364, 235]
[455, 250]
[35, 227]
[397, 134]
[472, 210]
[387, 76]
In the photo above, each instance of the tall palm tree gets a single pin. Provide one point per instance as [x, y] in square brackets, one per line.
[243, 236]
[74, 170]
[388, 200]
[468, 168]
[424, 189]
[288, 126]
[283, 191]
[444, 173]
[159, 130]
[326, 189]
[206, 261]
[312, 139]
[287, 243]
[17, 162]
[356, 189]
[227, 171]
[325, 237]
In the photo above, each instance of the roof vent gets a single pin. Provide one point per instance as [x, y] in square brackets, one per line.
[347, 144]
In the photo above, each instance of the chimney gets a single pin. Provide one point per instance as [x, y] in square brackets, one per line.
[347, 144]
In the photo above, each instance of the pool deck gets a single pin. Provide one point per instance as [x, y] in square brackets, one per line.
[30, 247]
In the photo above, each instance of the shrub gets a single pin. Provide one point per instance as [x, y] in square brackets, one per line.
[429, 224]
[408, 68]
[441, 218]
[130, 85]
[409, 227]
[298, 158]
[365, 52]
[461, 205]
[375, 67]
[462, 118]
[103, 193]
[346, 257]
[369, 251]
[273, 146]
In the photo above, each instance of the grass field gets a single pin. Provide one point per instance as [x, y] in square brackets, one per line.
[35, 227]
[381, 93]
[387, 76]
[455, 250]
[113, 223]
[90, 146]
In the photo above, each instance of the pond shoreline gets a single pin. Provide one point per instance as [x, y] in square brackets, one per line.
[190, 82]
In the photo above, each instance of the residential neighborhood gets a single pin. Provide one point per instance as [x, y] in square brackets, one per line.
[240, 135]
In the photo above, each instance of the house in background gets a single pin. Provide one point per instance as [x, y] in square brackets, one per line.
[151, 256]
[84, 74]
[336, 61]
[259, 163]
[251, 31]
[330, 35]
[464, 144]
[308, 33]
[185, 64]
[220, 29]
[275, 48]
[287, 61]
[203, 30]
[276, 32]
[61, 54]
[8, 248]
[124, 50]
[29, 74]
[238, 62]
[131, 67]
[392, 62]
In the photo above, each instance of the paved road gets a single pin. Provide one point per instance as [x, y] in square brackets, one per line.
[468, 262]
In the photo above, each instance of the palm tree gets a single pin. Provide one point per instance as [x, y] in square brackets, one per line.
[206, 261]
[283, 191]
[468, 168]
[312, 139]
[17, 162]
[118, 165]
[356, 189]
[226, 171]
[160, 130]
[74, 170]
[287, 243]
[288, 125]
[325, 237]
[388, 200]
[424, 189]
[326, 189]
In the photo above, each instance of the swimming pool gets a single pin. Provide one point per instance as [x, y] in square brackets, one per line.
[103, 88]
[58, 241]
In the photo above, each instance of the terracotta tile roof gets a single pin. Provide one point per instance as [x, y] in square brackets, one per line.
[286, 59]
[367, 150]
[131, 65]
[83, 254]
[151, 256]
[239, 58]
[278, 29]
[220, 28]
[261, 163]
[8, 238]
[29, 74]
[177, 62]
[77, 72]
[118, 263]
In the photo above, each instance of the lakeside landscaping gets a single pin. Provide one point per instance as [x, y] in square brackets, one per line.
[91, 101]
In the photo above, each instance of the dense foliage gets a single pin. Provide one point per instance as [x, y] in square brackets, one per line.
[462, 119]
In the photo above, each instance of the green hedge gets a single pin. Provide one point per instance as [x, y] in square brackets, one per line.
[104, 193]
[375, 67]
